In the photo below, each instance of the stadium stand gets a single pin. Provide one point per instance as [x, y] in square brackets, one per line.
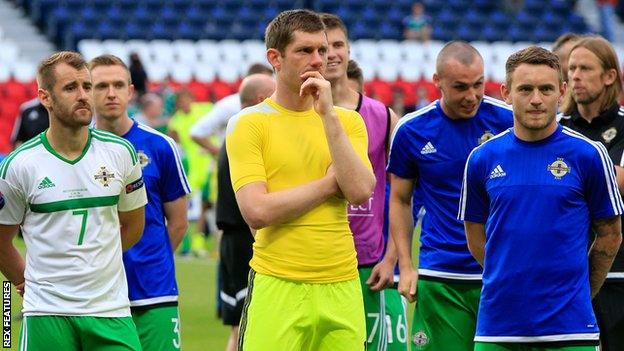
[179, 47]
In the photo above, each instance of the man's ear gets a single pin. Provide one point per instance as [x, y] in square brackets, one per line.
[45, 97]
[274, 58]
[505, 93]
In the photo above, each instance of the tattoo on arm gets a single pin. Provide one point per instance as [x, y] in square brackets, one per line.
[608, 239]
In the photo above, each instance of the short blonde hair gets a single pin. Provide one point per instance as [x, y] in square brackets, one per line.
[46, 77]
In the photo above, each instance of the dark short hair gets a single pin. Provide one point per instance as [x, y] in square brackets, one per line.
[259, 68]
[533, 55]
[564, 39]
[109, 60]
[332, 21]
[279, 33]
[355, 72]
[46, 77]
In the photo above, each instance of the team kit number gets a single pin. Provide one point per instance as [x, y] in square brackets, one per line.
[399, 331]
[83, 225]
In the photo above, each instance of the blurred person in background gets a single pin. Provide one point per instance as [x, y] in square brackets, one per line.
[200, 169]
[214, 122]
[236, 242]
[138, 75]
[32, 120]
[417, 26]
[561, 47]
[151, 112]
[355, 76]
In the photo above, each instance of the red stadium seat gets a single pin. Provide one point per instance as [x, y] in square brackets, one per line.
[201, 91]
[220, 89]
[380, 90]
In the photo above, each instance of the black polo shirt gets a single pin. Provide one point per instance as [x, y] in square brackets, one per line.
[229, 217]
[32, 120]
[608, 128]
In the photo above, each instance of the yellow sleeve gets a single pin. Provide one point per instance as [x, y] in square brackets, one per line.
[244, 150]
[356, 131]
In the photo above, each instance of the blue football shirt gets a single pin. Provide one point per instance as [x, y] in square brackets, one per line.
[432, 149]
[537, 201]
[149, 264]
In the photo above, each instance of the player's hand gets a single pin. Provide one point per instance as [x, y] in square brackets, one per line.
[382, 276]
[331, 176]
[320, 89]
[407, 284]
[20, 288]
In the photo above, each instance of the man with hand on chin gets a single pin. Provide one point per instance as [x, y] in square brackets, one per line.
[295, 161]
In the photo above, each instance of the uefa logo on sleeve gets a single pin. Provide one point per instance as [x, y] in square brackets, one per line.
[2, 202]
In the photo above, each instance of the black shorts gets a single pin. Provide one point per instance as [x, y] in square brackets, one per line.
[236, 252]
[609, 310]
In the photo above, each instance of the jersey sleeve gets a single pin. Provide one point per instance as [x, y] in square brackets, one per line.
[602, 194]
[211, 121]
[358, 136]
[244, 147]
[133, 195]
[12, 199]
[402, 161]
[474, 201]
[173, 181]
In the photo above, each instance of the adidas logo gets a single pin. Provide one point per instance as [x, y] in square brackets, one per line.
[497, 172]
[428, 149]
[46, 183]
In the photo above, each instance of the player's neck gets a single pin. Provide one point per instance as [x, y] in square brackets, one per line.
[67, 142]
[532, 135]
[590, 111]
[344, 96]
[291, 100]
[118, 126]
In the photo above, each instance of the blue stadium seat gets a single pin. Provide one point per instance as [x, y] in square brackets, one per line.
[188, 30]
[142, 15]
[442, 33]
[133, 30]
[500, 20]
[474, 18]
[466, 32]
[88, 13]
[169, 15]
[491, 33]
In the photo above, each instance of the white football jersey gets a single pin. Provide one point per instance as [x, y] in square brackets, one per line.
[68, 211]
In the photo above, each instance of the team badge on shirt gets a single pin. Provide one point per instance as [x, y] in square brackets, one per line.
[609, 134]
[104, 176]
[144, 160]
[559, 168]
[2, 201]
[420, 339]
[485, 137]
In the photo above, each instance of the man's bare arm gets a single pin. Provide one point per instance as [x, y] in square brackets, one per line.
[356, 181]
[608, 239]
[207, 144]
[177, 223]
[132, 224]
[261, 208]
[12, 264]
[401, 232]
[475, 235]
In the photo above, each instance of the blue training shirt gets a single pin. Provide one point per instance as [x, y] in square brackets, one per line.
[432, 149]
[149, 264]
[537, 201]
